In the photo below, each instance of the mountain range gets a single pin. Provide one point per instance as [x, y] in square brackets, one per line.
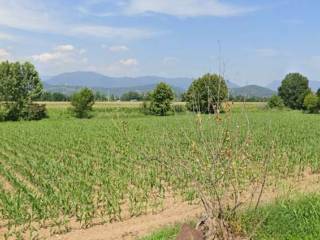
[68, 83]
[96, 80]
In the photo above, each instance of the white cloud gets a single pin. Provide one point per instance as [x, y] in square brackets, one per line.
[47, 57]
[4, 54]
[123, 67]
[186, 8]
[129, 62]
[120, 48]
[49, 17]
[65, 48]
[26, 15]
[61, 53]
[267, 52]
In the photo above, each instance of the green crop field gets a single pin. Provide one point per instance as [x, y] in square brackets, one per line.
[62, 169]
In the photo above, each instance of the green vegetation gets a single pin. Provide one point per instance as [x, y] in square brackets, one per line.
[129, 96]
[252, 91]
[275, 102]
[289, 219]
[293, 90]
[168, 233]
[312, 103]
[63, 168]
[161, 100]
[285, 220]
[206, 94]
[123, 162]
[82, 102]
[19, 86]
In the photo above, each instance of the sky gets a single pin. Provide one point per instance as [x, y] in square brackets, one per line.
[250, 42]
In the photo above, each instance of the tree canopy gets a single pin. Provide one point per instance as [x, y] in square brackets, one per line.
[82, 102]
[206, 93]
[20, 84]
[161, 99]
[293, 90]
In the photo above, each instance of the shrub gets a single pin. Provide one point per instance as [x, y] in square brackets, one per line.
[312, 103]
[35, 112]
[82, 103]
[12, 111]
[275, 102]
[161, 99]
[206, 94]
[293, 90]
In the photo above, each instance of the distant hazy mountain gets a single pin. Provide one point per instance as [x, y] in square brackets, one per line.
[96, 80]
[252, 91]
[67, 89]
[314, 85]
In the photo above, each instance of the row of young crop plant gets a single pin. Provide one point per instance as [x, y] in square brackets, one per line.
[57, 171]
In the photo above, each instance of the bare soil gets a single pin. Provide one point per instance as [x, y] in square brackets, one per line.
[177, 211]
[181, 212]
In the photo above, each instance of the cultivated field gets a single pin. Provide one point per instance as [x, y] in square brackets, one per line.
[62, 171]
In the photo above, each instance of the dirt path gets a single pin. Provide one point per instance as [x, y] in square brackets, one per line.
[180, 212]
[138, 226]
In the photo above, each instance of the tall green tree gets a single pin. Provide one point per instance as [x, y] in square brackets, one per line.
[161, 99]
[82, 102]
[206, 93]
[20, 84]
[293, 90]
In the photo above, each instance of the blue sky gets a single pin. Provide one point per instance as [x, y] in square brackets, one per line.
[260, 40]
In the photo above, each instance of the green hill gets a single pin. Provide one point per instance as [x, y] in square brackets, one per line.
[252, 91]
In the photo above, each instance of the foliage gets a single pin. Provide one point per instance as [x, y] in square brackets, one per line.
[293, 90]
[98, 96]
[275, 102]
[20, 84]
[312, 103]
[167, 233]
[161, 99]
[82, 102]
[35, 112]
[206, 94]
[129, 96]
[54, 97]
[248, 99]
[92, 167]
[285, 220]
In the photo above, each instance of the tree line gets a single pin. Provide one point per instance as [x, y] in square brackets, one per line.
[20, 86]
